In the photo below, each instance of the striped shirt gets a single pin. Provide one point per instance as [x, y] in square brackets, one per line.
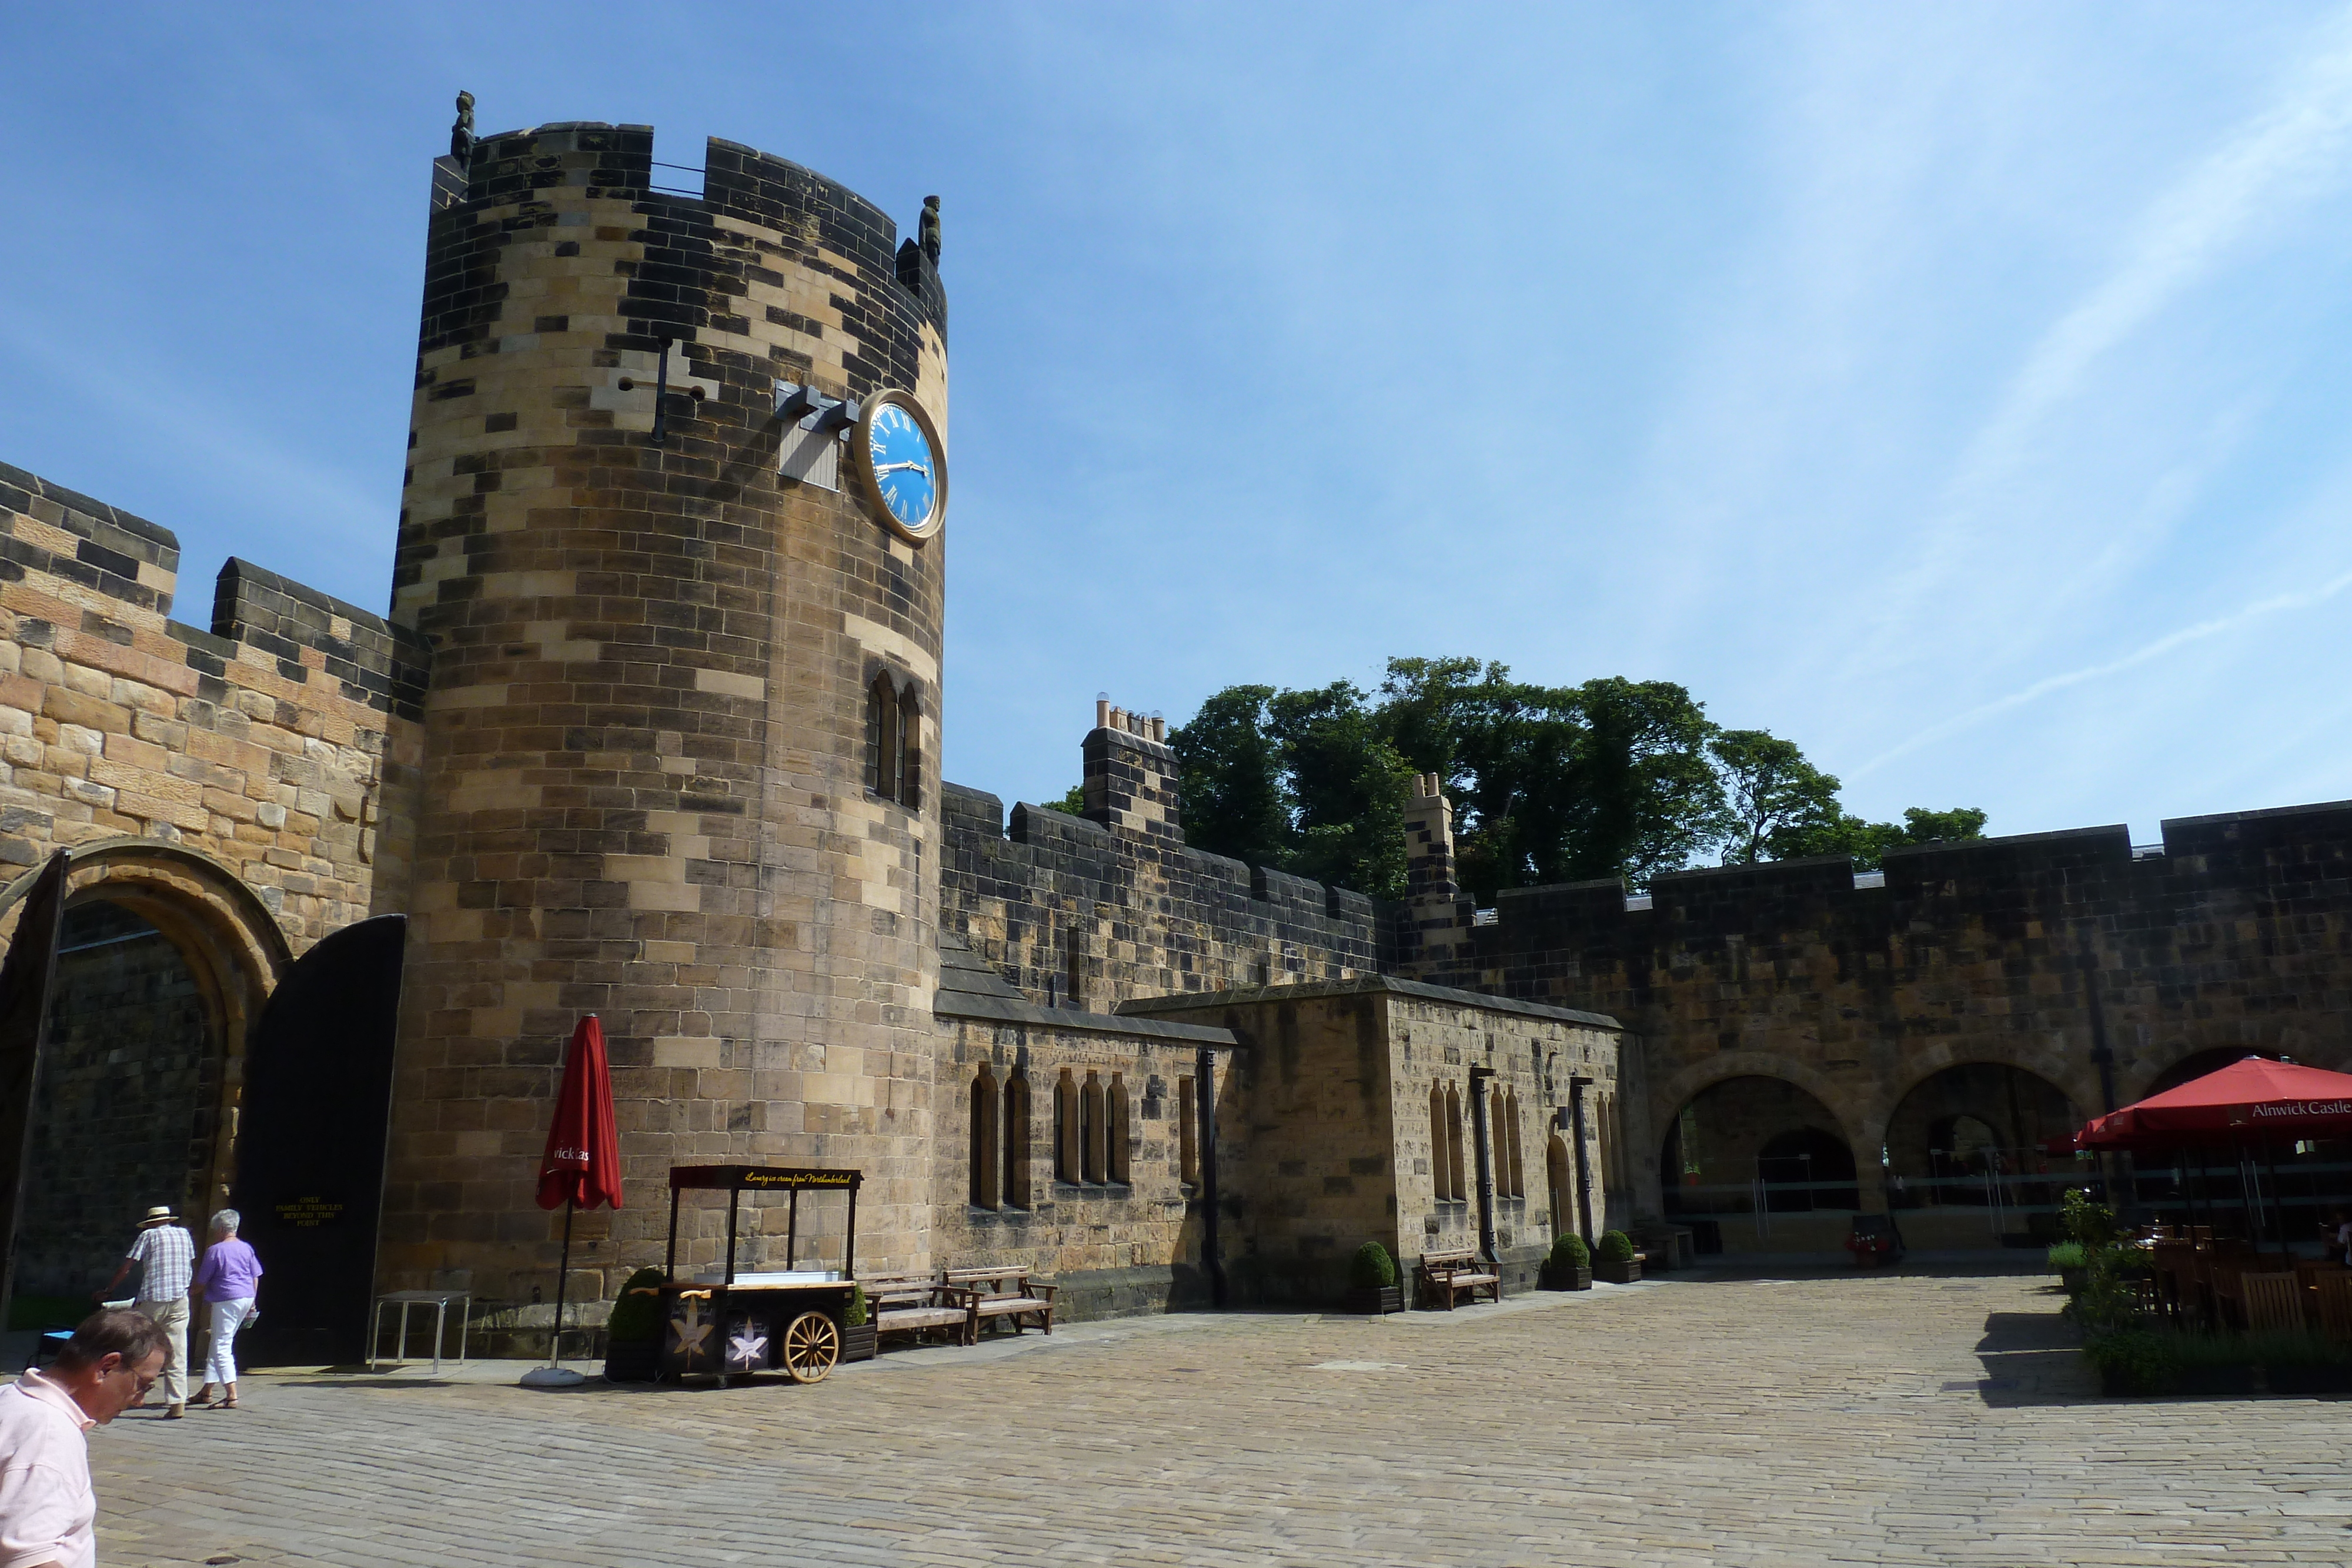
[170, 1256]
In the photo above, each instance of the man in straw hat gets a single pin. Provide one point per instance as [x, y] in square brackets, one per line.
[168, 1257]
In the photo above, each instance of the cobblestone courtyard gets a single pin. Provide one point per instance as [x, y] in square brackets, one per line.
[1856, 1419]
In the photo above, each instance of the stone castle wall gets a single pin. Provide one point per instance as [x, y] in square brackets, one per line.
[2068, 955]
[228, 797]
[1098, 910]
[646, 742]
[1333, 1083]
[281, 744]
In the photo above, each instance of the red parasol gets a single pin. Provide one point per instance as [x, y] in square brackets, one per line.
[581, 1168]
[2253, 1101]
[582, 1163]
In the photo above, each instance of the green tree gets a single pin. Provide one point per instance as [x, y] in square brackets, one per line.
[1346, 787]
[1230, 772]
[1075, 802]
[1868, 842]
[1558, 783]
[1612, 778]
[1773, 797]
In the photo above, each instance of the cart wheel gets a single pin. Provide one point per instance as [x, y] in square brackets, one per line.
[811, 1344]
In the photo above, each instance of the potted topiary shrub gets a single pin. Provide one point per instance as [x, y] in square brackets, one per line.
[1615, 1260]
[1569, 1267]
[1372, 1280]
[632, 1334]
[857, 1327]
[2073, 1264]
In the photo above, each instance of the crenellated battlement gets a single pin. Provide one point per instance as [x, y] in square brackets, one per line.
[281, 743]
[1100, 909]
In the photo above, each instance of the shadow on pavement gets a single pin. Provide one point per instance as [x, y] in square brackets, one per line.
[2032, 1358]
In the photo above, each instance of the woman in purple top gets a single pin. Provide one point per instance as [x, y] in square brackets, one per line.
[227, 1278]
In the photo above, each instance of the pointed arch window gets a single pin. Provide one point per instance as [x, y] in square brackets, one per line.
[1016, 1139]
[1188, 1147]
[1455, 1188]
[894, 729]
[909, 748]
[983, 1138]
[1119, 1139]
[1090, 1121]
[1065, 1128]
[1438, 1164]
[1518, 1148]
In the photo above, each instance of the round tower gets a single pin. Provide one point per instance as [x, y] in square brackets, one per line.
[680, 765]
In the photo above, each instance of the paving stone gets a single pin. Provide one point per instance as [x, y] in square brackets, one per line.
[1722, 1422]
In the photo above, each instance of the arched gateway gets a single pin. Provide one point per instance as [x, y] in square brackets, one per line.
[162, 1046]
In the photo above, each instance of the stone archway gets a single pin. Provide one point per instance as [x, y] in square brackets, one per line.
[1963, 1148]
[164, 961]
[1757, 1163]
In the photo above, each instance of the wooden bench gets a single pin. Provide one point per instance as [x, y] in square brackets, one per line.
[1005, 1293]
[1445, 1275]
[915, 1303]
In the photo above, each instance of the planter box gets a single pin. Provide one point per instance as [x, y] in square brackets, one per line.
[1376, 1300]
[1560, 1277]
[2304, 1380]
[857, 1343]
[632, 1361]
[1623, 1273]
[2073, 1279]
[2237, 1381]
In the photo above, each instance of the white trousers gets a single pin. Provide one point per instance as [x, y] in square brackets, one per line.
[171, 1317]
[228, 1317]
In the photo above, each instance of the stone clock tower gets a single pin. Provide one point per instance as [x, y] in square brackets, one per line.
[680, 759]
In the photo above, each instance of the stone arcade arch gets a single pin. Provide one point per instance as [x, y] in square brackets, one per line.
[1963, 1159]
[1757, 1163]
[166, 961]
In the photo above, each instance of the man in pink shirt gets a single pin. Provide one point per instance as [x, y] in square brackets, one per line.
[48, 1511]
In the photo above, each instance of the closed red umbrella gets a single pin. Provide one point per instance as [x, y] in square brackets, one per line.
[582, 1163]
[581, 1168]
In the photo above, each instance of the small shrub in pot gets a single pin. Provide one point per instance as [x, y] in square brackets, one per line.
[1615, 1260]
[1372, 1280]
[857, 1327]
[1569, 1267]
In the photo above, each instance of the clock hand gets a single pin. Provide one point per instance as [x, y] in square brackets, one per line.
[890, 468]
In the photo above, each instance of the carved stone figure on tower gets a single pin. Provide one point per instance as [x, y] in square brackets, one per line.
[930, 233]
[461, 135]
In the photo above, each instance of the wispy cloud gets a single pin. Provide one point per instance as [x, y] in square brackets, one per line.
[2275, 605]
[208, 434]
[2280, 158]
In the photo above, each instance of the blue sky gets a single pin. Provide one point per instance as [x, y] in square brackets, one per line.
[1956, 391]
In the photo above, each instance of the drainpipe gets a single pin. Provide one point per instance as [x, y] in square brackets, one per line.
[1479, 1078]
[1576, 1088]
[2104, 1058]
[1204, 1092]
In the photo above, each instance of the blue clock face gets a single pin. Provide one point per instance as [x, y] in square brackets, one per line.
[906, 471]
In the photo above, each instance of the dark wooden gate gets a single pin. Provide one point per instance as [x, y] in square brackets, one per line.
[25, 977]
[310, 1144]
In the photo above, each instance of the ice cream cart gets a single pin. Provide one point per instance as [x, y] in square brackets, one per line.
[721, 1322]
